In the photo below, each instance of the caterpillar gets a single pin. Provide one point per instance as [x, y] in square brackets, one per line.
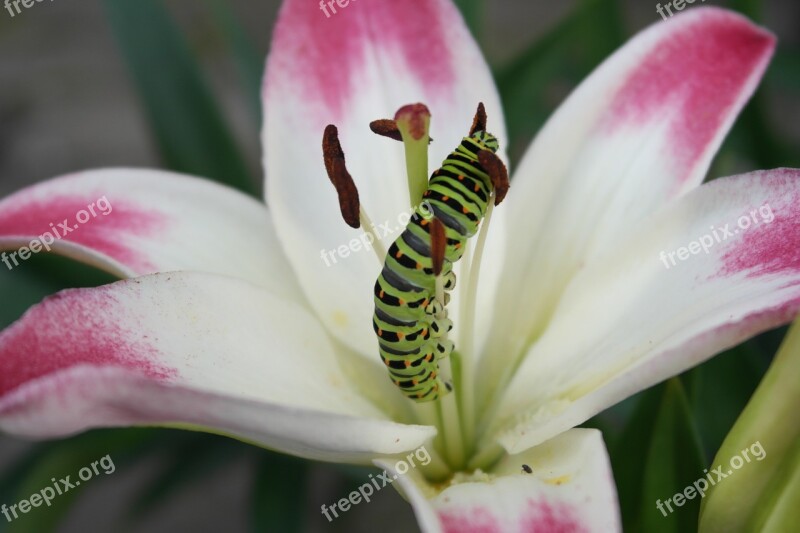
[409, 321]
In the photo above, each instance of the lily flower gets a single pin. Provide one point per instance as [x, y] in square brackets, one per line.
[228, 318]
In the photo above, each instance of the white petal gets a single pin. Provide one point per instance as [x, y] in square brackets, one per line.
[641, 130]
[571, 489]
[634, 318]
[190, 349]
[359, 65]
[132, 222]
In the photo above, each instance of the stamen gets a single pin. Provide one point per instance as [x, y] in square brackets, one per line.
[340, 177]
[386, 127]
[353, 212]
[497, 172]
[479, 122]
[413, 122]
[377, 245]
[469, 361]
[447, 408]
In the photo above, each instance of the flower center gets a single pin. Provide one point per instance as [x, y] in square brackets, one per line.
[412, 291]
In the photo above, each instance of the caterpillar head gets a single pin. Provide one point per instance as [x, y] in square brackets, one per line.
[486, 140]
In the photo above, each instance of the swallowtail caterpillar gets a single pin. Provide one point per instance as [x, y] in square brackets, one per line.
[410, 318]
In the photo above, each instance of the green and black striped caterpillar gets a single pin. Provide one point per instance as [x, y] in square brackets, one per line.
[409, 320]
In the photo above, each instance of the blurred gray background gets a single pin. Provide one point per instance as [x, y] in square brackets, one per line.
[67, 103]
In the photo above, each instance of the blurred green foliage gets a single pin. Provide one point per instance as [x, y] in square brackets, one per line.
[762, 498]
[186, 121]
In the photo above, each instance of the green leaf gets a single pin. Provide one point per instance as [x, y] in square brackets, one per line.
[749, 8]
[279, 496]
[762, 493]
[472, 10]
[720, 388]
[657, 455]
[189, 456]
[785, 69]
[249, 61]
[57, 460]
[675, 460]
[39, 277]
[189, 130]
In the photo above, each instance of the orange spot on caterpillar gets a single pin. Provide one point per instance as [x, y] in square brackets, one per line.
[477, 187]
[464, 210]
[401, 301]
[419, 266]
[380, 332]
[399, 254]
[445, 198]
[400, 335]
[415, 381]
[461, 178]
[386, 362]
[425, 332]
[424, 222]
[382, 294]
[407, 363]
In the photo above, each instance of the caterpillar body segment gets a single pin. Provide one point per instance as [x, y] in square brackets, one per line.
[411, 338]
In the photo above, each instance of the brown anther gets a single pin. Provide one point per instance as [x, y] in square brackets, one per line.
[340, 177]
[438, 245]
[386, 128]
[479, 122]
[497, 172]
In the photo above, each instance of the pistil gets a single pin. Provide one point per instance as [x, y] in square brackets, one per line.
[413, 122]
